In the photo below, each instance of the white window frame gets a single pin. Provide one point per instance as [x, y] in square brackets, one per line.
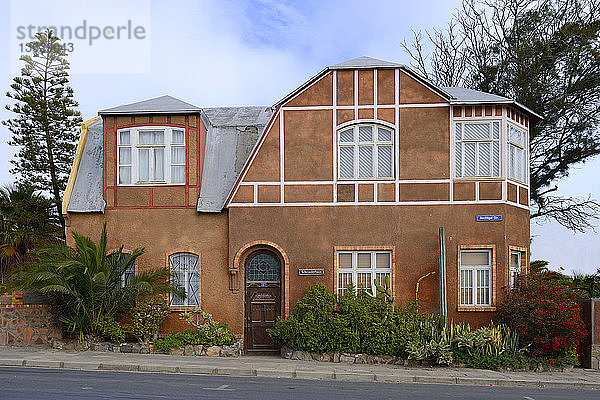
[130, 270]
[376, 143]
[354, 271]
[524, 147]
[135, 146]
[473, 269]
[460, 169]
[514, 273]
[186, 280]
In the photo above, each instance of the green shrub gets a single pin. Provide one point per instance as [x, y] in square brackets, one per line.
[194, 337]
[146, 318]
[109, 329]
[356, 323]
[210, 332]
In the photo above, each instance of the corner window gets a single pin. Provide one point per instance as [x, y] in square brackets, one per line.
[361, 268]
[477, 149]
[366, 151]
[476, 277]
[515, 267]
[151, 155]
[185, 271]
[517, 154]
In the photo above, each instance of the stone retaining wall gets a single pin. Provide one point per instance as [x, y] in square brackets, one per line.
[235, 350]
[27, 325]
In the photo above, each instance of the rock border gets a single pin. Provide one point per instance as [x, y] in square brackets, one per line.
[350, 358]
[234, 350]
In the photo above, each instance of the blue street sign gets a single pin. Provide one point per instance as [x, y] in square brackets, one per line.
[487, 218]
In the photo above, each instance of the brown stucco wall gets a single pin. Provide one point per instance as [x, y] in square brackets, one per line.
[365, 86]
[385, 86]
[308, 235]
[412, 91]
[425, 143]
[164, 231]
[318, 94]
[490, 190]
[308, 145]
[345, 88]
[265, 166]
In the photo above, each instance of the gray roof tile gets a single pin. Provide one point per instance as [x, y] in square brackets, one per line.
[159, 105]
[365, 62]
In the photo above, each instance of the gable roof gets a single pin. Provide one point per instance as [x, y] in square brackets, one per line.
[158, 105]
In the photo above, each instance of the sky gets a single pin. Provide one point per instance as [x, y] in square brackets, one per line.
[213, 53]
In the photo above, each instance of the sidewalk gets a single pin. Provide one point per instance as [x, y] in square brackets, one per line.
[274, 367]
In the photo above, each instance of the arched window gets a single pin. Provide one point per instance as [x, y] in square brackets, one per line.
[263, 266]
[366, 151]
[184, 266]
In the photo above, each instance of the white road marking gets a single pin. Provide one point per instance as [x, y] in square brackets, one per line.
[528, 398]
[223, 387]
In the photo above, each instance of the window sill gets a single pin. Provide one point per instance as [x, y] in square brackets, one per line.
[476, 308]
[517, 182]
[477, 178]
[146, 184]
[181, 308]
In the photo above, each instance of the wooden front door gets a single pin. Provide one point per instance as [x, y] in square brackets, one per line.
[263, 300]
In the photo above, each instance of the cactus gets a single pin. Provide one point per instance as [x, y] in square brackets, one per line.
[383, 292]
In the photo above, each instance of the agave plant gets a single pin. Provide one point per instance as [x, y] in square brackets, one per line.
[85, 284]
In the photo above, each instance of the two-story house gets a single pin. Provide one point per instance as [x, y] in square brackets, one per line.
[345, 180]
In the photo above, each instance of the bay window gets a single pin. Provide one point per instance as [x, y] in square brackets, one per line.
[477, 149]
[517, 154]
[151, 155]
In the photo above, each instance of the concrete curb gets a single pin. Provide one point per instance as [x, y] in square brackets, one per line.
[342, 376]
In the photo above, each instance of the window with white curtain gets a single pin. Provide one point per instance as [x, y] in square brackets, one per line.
[151, 155]
[476, 277]
[517, 154]
[477, 149]
[362, 268]
[366, 151]
[185, 271]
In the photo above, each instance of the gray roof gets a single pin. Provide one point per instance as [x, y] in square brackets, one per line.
[86, 195]
[159, 105]
[238, 116]
[365, 62]
[469, 96]
[231, 135]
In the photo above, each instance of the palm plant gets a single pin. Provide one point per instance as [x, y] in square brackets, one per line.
[85, 284]
[26, 220]
[587, 284]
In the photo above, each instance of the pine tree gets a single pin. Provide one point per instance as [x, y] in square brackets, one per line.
[46, 122]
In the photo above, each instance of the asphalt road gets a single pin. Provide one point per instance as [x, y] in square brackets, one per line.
[48, 384]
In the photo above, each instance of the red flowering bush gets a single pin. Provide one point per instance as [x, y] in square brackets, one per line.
[544, 312]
